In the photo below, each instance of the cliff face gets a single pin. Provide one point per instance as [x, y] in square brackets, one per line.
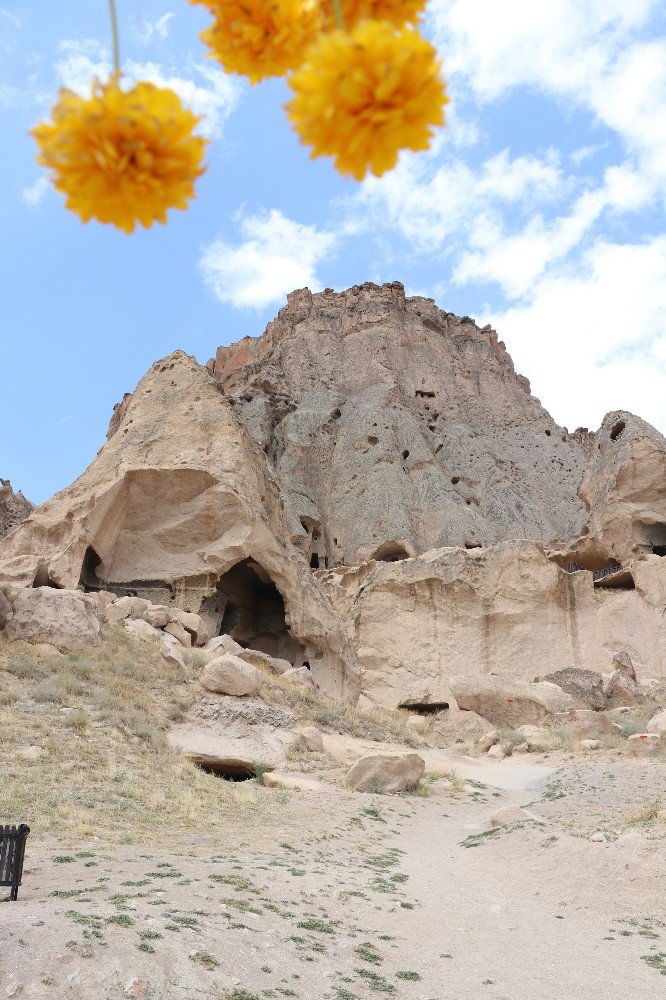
[393, 427]
[14, 507]
[367, 428]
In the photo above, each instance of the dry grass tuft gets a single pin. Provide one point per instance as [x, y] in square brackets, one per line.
[92, 758]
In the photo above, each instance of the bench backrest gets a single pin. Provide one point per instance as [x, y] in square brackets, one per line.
[12, 852]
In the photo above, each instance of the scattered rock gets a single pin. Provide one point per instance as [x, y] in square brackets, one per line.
[589, 744]
[141, 629]
[385, 773]
[291, 780]
[192, 623]
[496, 752]
[522, 748]
[299, 675]
[456, 725]
[644, 744]
[157, 615]
[657, 724]
[620, 690]
[67, 618]
[228, 753]
[125, 607]
[508, 703]
[622, 662]
[230, 675]
[508, 815]
[311, 738]
[179, 632]
[169, 653]
[538, 738]
[260, 659]
[598, 838]
[488, 740]
[5, 609]
[585, 722]
[585, 686]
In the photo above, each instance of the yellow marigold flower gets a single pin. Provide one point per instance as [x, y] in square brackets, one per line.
[353, 11]
[363, 96]
[261, 38]
[122, 156]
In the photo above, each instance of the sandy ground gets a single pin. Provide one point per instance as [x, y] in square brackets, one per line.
[371, 896]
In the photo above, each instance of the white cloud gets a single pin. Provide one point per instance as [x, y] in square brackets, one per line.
[428, 200]
[33, 194]
[12, 18]
[275, 256]
[205, 89]
[589, 53]
[593, 338]
[146, 31]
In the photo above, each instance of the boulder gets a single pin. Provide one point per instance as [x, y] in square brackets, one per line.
[299, 675]
[488, 740]
[5, 609]
[538, 738]
[102, 599]
[386, 773]
[506, 703]
[230, 675]
[227, 753]
[192, 623]
[622, 662]
[157, 615]
[456, 726]
[589, 744]
[169, 653]
[585, 722]
[310, 737]
[180, 633]
[67, 618]
[497, 752]
[125, 607]
[620, 690]
[141, 629]
[260, 659]
[644, 744]
[657, 724]
[586, 687]
[219, 645]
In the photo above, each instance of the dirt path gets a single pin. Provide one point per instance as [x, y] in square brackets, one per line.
[411, 898]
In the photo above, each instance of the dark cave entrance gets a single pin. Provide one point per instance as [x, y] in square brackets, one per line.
[249, 608]
[654, 536]
[89, 578]
[390, 552]
[425, 708]
[229, 769]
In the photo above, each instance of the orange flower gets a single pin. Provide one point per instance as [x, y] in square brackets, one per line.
[260, 38]
[122, 157]
[363, 96]
[353, 11]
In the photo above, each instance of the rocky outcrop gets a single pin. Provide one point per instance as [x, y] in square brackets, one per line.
[386, 773]
[393, 427]
[66, 618]
[369, 484]
[506, 610]
[179, 508]
[14, 507]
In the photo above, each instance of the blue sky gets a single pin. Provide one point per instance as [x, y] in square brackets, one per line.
[540, 209]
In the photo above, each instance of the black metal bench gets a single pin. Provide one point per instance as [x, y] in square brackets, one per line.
[12, 852]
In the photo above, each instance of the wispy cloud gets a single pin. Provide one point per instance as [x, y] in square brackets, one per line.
[33, 194]
[146, 32]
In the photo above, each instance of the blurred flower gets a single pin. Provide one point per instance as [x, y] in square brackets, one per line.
[122, 156]
[261, 38]
[364, 95]
[353, 11]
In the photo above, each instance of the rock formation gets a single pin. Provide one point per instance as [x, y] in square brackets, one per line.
[369, 485]
[14, 507]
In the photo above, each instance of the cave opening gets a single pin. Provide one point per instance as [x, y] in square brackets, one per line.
[654, 537]
[617, 429]
[229, 769]
[425, 708]
[390, 552]
[89, 578]
[248, 607]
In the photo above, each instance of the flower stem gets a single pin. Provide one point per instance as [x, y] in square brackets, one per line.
[339, 16]
[114, 33]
